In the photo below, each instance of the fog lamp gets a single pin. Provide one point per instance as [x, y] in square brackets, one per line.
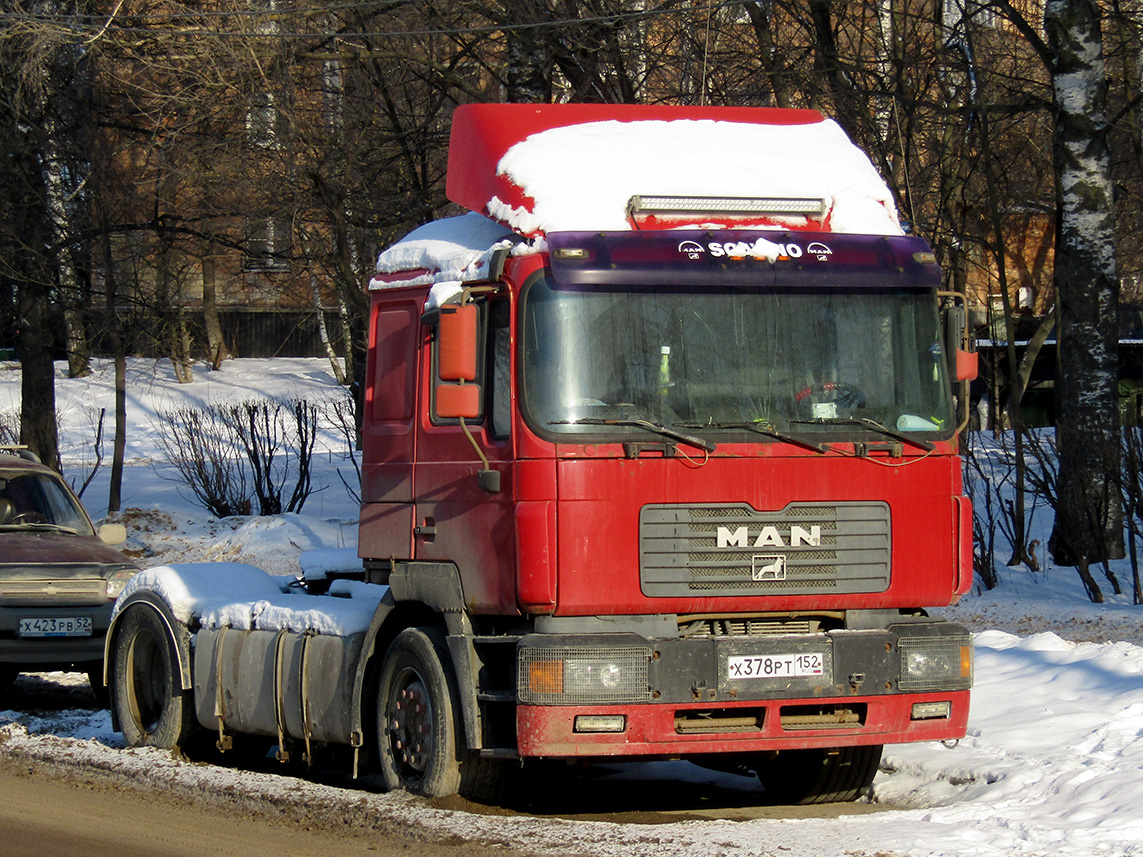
[931, 710]
[600, 723]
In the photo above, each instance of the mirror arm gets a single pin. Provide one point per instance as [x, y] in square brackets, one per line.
[486, 477]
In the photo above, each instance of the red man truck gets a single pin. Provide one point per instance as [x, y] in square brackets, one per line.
[659, 461]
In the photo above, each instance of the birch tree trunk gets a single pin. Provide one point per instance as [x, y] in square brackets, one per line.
[1089, 517]
[323, 332]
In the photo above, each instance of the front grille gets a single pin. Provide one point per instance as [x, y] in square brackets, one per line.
[717, 721]
[738, 627]
[803, 549]
[32, 593]
[842, 716]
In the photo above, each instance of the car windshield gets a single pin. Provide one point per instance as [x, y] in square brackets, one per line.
[789, 359]
[39, 500]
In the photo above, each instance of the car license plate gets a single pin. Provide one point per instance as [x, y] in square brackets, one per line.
[56, 626]
[775, 666]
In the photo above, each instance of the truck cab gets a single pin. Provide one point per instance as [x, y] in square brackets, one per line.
[693, 476]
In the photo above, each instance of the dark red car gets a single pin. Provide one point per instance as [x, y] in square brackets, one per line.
[59, 577]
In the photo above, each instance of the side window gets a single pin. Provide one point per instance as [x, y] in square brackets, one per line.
[499, 392]
[395, 332]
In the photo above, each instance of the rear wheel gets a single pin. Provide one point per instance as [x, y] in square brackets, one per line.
[420, 734]
[819, 776]
[151, 705]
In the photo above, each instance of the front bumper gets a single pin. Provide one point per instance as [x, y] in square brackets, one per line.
[745, 727]
[44, 653]
[625, 694]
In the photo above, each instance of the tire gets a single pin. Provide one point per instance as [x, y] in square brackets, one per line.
[420, 734]
[819, 776]
[152, 708]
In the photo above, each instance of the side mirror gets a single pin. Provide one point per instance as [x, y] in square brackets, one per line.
[963, 364]
[456, 401]
[456, 363]
[457, 396]
[457, 333]
[113, 534]
[967, 365]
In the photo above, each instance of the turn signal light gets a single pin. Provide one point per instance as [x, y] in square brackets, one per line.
[546, 676]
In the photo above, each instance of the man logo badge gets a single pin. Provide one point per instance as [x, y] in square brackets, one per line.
[772, 567]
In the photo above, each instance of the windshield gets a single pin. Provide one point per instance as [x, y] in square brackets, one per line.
[789, 359]
[38, 500]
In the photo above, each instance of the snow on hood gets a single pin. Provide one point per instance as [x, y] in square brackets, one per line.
[581, 176]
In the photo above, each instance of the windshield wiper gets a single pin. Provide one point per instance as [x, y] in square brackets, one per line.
[872, 425]
[40, 527]
[665, 431]
[763, 429]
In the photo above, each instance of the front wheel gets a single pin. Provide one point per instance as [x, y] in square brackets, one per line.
[420, 735]
[819, 776]
[152, 708]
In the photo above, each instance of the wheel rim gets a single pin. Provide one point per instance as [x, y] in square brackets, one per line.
[410, 724]
[148, 678]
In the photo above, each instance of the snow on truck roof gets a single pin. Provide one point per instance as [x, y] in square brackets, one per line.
[526, 170]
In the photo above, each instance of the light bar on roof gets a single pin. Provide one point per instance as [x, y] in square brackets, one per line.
[725, 205]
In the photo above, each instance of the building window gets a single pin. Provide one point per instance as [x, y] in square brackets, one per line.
[267, 244]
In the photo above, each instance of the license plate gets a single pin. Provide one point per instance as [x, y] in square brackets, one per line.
[56, 626]
[775, 666]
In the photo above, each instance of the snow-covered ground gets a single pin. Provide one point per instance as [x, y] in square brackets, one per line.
[1052, 765]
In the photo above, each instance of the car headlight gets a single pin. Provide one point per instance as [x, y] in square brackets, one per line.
[564, 676]
[935, 663]
[117, 582]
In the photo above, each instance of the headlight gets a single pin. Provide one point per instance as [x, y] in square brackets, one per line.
[561, 676]
[935, 663]
[117, 582]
